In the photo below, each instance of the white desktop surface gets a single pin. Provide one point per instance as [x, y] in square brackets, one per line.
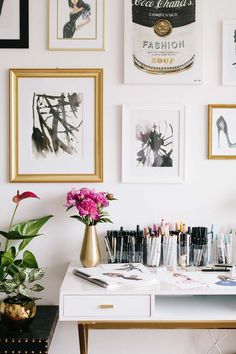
[81, 300]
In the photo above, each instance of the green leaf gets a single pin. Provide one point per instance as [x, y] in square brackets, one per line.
[70, 207]
[23, 290]
[9, 286]
[29, 275]
[105, 220]
[1, 273]
[30, 228]
[8, 256]
[12, 270]
[39, 273]
[79, 218]
[37, 288]
[15, 235]
[19, 277]
[18, 262]
[29, 260]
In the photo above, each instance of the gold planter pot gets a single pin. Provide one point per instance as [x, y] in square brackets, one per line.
[90, 255]
[17, 314]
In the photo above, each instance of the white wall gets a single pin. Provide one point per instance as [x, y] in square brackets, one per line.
[208, 195]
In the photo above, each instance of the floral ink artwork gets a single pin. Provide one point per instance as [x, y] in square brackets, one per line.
[79, 16]
[154, 144]
[1, 6]
[57, 124]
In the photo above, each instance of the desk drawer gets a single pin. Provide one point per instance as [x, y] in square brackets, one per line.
[106, 306]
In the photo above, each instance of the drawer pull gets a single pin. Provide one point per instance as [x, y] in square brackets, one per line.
[106, 306]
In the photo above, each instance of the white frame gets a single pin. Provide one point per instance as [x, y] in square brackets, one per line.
[127, 176]
[97, 43]
[133, 75]
[229, 50]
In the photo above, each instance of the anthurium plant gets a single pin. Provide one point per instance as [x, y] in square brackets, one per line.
[19, 270]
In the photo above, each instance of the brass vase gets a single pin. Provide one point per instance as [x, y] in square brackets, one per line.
[17, 314]
[90, 255]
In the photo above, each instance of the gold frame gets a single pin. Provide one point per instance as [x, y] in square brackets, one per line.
[103, 48]
[14, 76]
[84, 327]
[211, 107]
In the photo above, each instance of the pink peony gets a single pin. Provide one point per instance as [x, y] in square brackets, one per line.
[71, 198]
[100, 198]
[89, 204]
[88, 208]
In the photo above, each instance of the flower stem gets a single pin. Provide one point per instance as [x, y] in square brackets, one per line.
[11, 223]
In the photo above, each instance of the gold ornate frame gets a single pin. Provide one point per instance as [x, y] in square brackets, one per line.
[211, 108]
[97, 76]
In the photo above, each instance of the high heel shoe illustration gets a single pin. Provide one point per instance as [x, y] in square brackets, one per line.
[222, 126]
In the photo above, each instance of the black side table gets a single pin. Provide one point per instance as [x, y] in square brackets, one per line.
[37, 338]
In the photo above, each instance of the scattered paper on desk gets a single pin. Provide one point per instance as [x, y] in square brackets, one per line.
[126, 274]
[220, 281]
[183, 280]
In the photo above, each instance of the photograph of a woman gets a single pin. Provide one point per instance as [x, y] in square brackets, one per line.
[79, 16]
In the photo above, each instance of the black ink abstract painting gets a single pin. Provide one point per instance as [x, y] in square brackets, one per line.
[154, 144]
[56, 125]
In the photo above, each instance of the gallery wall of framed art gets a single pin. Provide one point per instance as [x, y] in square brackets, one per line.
[146, 142]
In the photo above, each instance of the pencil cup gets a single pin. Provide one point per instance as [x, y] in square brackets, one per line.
[200, 256]
[153, 251]
[184, 250]
[224, 248]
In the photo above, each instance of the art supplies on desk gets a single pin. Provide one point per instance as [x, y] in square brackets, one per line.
[220, 281]
[182, 280]
[110, 275]
[125, 246]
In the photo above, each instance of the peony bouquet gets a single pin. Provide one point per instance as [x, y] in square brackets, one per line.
[90, 205]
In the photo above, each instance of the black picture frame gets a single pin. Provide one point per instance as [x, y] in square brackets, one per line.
[23, 41]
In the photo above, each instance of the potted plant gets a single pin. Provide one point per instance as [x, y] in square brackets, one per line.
[90, 206]
[19, 270]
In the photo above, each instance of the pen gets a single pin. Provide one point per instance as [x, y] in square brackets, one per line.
[215, 270]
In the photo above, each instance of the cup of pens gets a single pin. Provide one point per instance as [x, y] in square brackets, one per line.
[199, 246]
[153, 247]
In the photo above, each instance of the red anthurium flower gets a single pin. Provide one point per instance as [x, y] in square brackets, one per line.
[18, 197]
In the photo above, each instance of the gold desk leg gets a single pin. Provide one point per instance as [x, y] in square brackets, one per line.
[83, 338]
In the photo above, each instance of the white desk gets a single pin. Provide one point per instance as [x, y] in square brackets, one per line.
[162, 306]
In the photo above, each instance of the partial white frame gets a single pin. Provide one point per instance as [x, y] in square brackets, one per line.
[126, 177]
[133, 75]
[226, 75]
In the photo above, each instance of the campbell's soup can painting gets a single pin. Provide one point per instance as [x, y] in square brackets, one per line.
[163, 35]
